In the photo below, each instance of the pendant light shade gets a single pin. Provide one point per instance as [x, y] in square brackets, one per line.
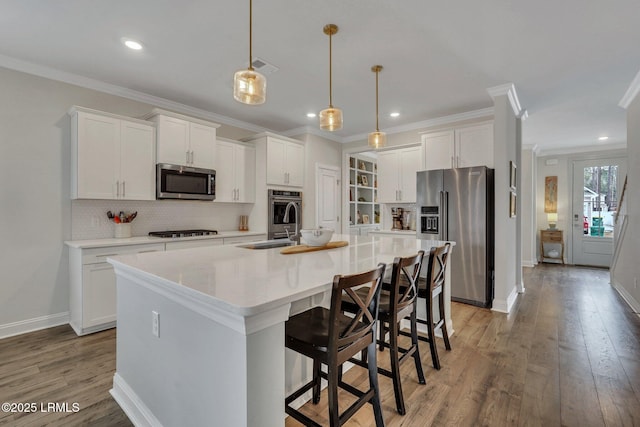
[330, 118]
[249, 86]
[377, 139]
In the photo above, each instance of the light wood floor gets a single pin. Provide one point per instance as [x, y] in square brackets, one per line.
[568, 355]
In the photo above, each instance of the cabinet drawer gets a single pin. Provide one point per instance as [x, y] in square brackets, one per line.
[98, 255]
[193, 244]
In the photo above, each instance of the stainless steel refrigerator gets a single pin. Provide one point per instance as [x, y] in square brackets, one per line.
[458, 205]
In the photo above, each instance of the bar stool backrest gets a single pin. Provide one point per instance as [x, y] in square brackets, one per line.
[364, 320]
[436, 270]
[404, 282]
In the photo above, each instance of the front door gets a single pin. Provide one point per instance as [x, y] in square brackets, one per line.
[596, 190]
[328, 197]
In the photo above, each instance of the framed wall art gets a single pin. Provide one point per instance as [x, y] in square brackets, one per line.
[550, 194]
[512, 175]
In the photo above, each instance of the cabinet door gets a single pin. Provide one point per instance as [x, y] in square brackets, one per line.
[276, 158]
[173, 141]
[474, 146]
[202, 144]
[137, 161]
[410, 162]
[99, 294]
[439, 150]
[98, 150]
[245, 170]
[225, 172]
[388, 177]
[295, 164]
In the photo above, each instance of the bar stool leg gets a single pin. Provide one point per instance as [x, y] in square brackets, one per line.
[414, 344]
[332, 391]
[395, 366]
[432, 335]
[445, 331]
[373, 382]
[317, 381]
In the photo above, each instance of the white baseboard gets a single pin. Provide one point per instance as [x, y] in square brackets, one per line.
[505, 306]
[30, 325]
[633, 303]
[529, 262]
[138, 413]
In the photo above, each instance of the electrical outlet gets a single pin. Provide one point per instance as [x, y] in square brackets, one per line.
[155, 323]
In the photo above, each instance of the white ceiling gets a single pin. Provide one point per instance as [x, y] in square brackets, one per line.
[571, 61]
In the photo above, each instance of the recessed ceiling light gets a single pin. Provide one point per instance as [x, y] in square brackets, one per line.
[311, 115]
[394, 114]
[132, 44]
[603, 138]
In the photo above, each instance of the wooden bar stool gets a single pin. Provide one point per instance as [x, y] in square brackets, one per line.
[429, 289]
[331, 338]
[397, 303]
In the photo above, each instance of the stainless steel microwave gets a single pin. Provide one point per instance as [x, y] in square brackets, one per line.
[185, 182]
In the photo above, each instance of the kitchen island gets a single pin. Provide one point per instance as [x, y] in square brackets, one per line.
[201, 331]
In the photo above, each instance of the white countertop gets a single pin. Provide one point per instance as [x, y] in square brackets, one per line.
[246, 282]
[140, 240]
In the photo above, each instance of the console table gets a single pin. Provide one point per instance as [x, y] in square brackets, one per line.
[551, 239]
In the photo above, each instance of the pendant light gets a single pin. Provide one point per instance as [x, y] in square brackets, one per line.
[249, 86]
[330, 118]
[377, 139]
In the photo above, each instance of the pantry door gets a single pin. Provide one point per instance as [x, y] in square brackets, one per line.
[596, 190]
[328, 197]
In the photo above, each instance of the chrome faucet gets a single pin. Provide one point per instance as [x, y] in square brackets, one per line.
[296, 237]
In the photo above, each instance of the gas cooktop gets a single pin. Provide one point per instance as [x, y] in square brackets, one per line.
[182, 233]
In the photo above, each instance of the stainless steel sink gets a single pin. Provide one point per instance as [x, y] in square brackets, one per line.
[267, 244]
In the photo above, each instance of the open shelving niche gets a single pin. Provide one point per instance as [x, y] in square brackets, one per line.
[363, 191]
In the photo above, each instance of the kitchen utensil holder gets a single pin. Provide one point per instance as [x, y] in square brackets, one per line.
[123, 230]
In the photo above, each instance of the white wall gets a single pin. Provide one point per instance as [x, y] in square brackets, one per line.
[506, 254]
[321, 151]
[627, 271]
[35, 206]
[528, 181]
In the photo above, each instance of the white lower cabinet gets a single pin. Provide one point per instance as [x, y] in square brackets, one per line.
[92, 296]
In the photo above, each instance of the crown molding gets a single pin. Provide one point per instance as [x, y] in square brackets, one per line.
[88, 83]
[535, 148]
[582, 149]
[313, 131]
[508, 89]
[444, 120]
[631, 93]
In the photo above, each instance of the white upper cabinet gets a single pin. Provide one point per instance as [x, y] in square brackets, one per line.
[459, 148]
[285, 162]
[112, 157]
[184, 141]
[235, 172]
[397, 174]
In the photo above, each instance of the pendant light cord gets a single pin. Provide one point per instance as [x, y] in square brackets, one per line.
[377, 128]
[330, 83]
[250, 34]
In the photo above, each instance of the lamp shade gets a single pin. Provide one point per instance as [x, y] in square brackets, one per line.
[331, 119]
[552, 219]
[249, 87]
[377, 139]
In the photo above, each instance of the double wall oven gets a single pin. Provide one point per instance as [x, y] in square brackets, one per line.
[278, 201]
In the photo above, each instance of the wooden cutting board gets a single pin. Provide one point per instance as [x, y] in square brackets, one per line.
[304, 248]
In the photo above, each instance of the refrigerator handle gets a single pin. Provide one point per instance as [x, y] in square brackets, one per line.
[444, 215]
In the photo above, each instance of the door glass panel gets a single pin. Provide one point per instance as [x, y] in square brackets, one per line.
[600, 201]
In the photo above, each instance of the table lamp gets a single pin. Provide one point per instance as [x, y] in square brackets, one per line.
[552, 219]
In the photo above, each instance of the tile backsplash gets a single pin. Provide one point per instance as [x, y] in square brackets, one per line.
[89, 217]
